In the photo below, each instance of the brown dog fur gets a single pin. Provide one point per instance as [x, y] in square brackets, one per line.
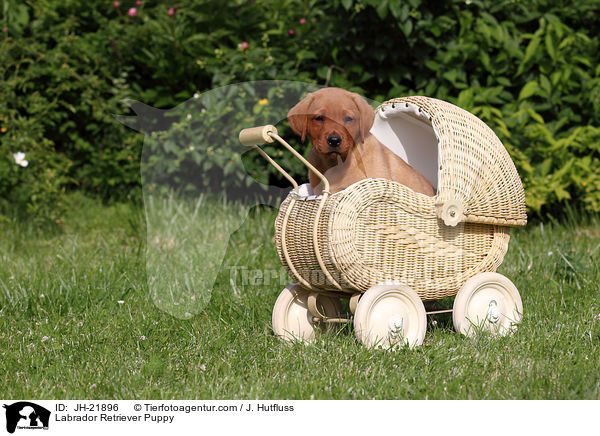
[332, 113]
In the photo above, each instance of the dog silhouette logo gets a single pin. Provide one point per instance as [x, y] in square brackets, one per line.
[194, 149]
[26, 415]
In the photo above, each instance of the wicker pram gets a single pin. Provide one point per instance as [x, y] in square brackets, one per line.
[388, 249]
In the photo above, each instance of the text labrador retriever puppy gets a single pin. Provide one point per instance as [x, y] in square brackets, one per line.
[337, 122]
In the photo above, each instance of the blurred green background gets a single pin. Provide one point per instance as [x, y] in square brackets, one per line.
[529, 69]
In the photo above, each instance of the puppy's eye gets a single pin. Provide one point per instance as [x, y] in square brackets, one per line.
[319, 118]
[348, 119]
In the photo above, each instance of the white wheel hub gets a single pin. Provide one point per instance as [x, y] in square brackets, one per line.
[396, 325]
[487, 302]
[390, 315]
[493, 314]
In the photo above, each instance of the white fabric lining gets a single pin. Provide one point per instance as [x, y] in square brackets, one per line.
[407, 131]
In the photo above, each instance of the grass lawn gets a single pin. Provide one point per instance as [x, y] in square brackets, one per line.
[77, 320]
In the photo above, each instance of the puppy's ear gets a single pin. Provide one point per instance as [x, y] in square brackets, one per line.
[298, 116]
[366, 115]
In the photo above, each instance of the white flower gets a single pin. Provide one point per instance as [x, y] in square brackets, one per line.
[45, 338]
[196, 95]
[142, 338]
[20, 159]
[189, 116]
[120, 302]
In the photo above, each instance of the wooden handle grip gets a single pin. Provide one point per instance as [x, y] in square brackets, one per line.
[257, 135]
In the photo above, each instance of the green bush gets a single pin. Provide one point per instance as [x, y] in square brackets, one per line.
[56, 102]
[31, 184]
[528, 69]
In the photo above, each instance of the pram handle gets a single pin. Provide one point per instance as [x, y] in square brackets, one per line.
[257, 135]
[253, 136]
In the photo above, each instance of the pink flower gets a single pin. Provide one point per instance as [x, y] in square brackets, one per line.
[138, 2]
[243, 45]
[171, 11]
[291, 32]
[302, 21]
[132, 12]
[116, 4]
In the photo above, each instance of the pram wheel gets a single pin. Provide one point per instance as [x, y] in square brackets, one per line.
[291, 318]
[390, 315]
[487, 302]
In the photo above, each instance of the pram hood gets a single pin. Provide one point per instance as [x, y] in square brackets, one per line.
[459, 154]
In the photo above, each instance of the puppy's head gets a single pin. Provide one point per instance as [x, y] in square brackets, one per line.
[333, 119]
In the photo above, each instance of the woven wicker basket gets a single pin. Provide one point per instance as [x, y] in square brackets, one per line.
[379, 231]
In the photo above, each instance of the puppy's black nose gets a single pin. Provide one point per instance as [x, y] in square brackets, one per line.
[334, 140]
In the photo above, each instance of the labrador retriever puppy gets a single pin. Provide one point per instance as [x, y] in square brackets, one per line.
[337, 122]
